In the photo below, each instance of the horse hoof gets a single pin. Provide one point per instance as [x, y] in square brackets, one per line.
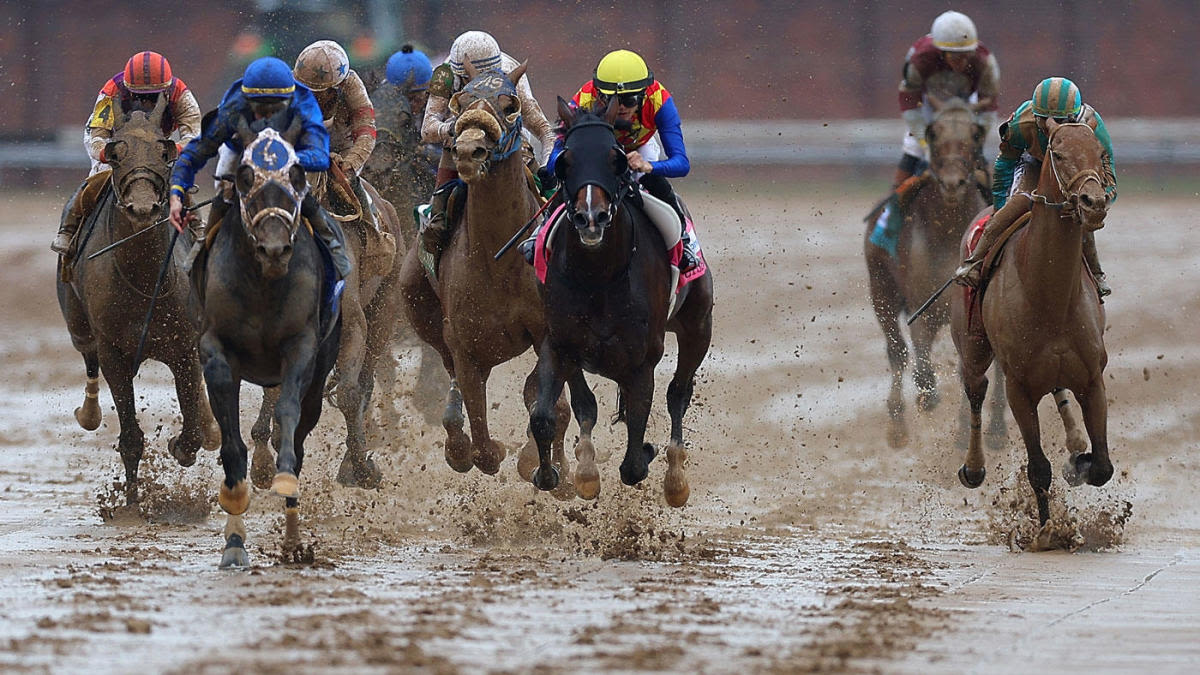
[528, 461]
[88, 416]
[285, 485]
[183, 457]
[367, 476]
[969, 478]
[675, 485]
[489, 457]
[262, 467]
[458, 451]
[1076, 469]
[546, 477]
[632, 475]
[235, 553]
[897, 436]
[234, 500]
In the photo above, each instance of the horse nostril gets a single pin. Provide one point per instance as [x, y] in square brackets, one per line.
[479, 154]
[579, 220]
[262, 250]
[287, 250]
[602, 218]
[1087, 201]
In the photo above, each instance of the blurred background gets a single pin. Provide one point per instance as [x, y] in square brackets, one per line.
[790, 85]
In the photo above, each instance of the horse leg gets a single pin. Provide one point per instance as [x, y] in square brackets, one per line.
[1094, 466]
[639, 394]
[356, 469]
[193, 405]
[298, 366]
[583, 402]
[528, 460]
[1024, 410]
[543, 420]
[486, 453]
[234, 496]
[975, 385]
[693, 347]
[131, 442]
[1077, 442]
[887, 303]
[924, 332]
[431, 382]
[262, 468]
[88, 415]
[310, 414]
[997, 433]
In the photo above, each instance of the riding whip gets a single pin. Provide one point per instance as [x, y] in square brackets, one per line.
[521, 232]
[146, 229]
[929, 302]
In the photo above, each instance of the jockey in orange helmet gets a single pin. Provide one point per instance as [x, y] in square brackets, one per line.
[147, 75]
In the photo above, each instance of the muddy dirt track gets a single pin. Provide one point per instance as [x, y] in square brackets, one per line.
[807, 545]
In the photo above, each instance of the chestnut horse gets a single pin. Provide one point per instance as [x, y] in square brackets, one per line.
[105, 304]
[927, 252]
[607, 298]
[1041, 319]
[480, 312]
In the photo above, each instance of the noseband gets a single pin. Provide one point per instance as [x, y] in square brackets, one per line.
[272, 158]
[487, 89]
[617, 187]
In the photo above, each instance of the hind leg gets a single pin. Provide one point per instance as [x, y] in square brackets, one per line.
[88, 415]
[356, 469]
[542, 418]
[997, 433]
[583, 402]
[193, 405]
[528, 459]
[887, 304]
[262, 468]
[131, 442]
[694, 339]
[234, 495]
[299, 376]
[924, 331]
[1024, 410]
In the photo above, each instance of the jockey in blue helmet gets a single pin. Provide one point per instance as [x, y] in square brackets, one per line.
[267, 89]
[411, 70]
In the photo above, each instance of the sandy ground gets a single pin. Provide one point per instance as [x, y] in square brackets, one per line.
[808, 544]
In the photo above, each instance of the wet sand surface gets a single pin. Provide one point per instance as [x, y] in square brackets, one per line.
[807, 545]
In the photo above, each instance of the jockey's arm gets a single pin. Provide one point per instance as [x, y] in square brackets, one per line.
[437, 127]
[187, 117]
[1003, 169]
[535, 120]
[197, 153]
[362, 122]
[98, 130]
[1110, 170]
[312, 148]
[670, 132]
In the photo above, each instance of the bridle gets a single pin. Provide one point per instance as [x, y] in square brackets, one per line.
[487, 88]
[618, 188]
[271, 157]
[1071, 189]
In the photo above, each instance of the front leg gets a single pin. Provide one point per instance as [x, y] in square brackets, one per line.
[299, 363]
[543, 419]
[1095, 467]
[132, 442]
[224, 384]
[472, 380]
[639, 393]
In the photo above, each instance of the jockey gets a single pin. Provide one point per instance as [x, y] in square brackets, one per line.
[950, 52]
[481, 50]
[267, 89]
[1023, 141]
[648, 129]
[146, 76]
[411, 71]
[324, 68]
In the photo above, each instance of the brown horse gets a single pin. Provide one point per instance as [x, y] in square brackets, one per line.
[480, 312]
[927, 253]
[106, 302]
[370, 308]
[402, 171]
[1040, 317]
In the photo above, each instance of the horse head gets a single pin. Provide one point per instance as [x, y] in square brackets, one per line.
[593, 170]
[1075, 160]
[140, 157]
[271, 185]
[954, 139]
[488, 129]
[396, 130]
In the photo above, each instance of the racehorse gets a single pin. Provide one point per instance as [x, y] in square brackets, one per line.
[1041, 319]
[479, 312]
[607, 294]
[370, 306]
[937, 212]
[261, 289]
[404, 175]
[106, 301]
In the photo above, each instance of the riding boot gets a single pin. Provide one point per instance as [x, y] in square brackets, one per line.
[970, 272]
[71, 218]
[329, 232]
[1093, 262]
[436, 232]
[216, 211]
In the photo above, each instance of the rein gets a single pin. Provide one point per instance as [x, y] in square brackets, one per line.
[1072, 188]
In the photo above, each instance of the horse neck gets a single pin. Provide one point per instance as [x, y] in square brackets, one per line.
[141, 258]
[1049, 255]
[497, 205]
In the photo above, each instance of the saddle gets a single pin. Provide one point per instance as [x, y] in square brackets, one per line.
[343, 204]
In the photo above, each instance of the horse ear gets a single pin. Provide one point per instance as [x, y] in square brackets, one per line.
[159, 107]
[610, 113]
[243, 131]
[562, 164]
[298, 177]
[243, 180]
[518, 72]
[1051, 125]
[469, 69]
[292, 133]
[565, 112]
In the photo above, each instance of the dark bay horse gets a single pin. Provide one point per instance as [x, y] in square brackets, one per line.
[370, 307]
[935, 218]
[1041, 319]
[608, 289]
[106, 301]
[480, 312]
[263, 321]
[404, 175]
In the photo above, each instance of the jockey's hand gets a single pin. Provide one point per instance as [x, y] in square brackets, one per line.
[177, 217]
[636, 163]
